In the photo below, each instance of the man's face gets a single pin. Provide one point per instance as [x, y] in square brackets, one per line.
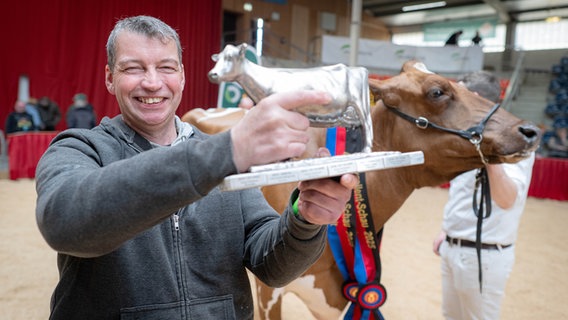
[147, 80]
[20, 106]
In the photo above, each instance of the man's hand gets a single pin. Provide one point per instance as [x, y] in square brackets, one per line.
[272, 131]
[438, 241]
[323, 201]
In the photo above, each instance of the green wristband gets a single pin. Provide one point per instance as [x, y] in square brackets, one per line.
[295, 209]
[296, 212]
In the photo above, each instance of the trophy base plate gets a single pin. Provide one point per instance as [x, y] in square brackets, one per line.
[317, 168]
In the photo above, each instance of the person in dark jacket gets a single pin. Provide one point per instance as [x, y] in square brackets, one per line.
[454, 39]
[476, 40]
[81, 113]
[49, 113]
[19, 120]
[133, 207]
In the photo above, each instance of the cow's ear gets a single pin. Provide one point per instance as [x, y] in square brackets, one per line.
[374, 87]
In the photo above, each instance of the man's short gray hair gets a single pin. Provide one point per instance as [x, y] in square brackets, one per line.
[144, 25]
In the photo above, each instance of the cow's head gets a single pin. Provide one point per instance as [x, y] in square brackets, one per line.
[228, 64]
[418, 92]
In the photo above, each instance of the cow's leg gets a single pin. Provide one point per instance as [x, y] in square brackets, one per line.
[269, 301]
[320, 288]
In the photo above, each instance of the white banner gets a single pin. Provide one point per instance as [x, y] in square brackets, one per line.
[376, 54]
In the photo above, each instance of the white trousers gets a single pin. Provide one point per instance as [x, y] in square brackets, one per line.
[461, 298]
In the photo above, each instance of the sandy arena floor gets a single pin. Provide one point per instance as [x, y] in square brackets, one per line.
[538, 288]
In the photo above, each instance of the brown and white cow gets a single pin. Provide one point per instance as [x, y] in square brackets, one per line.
[417, 93]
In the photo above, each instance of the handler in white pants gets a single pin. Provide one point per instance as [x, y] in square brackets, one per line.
[460, 284]
[462, 298]
[509, 184]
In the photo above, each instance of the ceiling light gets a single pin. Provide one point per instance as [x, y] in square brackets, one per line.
[552, 19]
[424, 6]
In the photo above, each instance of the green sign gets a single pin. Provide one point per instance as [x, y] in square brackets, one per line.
[232, 94]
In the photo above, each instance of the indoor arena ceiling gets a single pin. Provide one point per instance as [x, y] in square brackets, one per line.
[391, 12]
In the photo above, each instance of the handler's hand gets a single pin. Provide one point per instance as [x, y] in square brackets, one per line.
[437, 242]
[272, 131]
[323, 201]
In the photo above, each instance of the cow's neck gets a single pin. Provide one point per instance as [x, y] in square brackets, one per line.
[256, 80]
[389, 189]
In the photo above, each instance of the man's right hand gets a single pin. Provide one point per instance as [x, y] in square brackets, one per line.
[272, 131]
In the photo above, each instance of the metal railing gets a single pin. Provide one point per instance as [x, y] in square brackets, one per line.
[514, 83]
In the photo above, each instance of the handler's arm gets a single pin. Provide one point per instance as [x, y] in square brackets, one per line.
[503, 188]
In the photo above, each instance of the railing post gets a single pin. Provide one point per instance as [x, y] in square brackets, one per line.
[356, 9]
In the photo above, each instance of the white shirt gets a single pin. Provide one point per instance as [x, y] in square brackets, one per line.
[501, 227]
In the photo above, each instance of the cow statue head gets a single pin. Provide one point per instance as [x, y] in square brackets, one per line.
[228, 63]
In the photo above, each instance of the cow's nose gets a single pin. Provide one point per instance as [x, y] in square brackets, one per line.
[530, 131]
[213, 77]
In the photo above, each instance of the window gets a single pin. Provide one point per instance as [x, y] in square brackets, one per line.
[494, 44]
[535, 35]
[541, 35]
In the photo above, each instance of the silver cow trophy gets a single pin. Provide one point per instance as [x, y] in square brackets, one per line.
[350, 107]
[348, 86]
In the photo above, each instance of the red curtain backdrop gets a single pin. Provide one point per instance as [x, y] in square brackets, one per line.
[60, 46]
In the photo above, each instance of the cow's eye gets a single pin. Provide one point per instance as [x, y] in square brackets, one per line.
[436, 93]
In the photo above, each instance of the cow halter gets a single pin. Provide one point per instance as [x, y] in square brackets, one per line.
[475, 136]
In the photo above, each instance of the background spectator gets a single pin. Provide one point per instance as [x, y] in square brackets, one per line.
[81, 113]
[19, 119]
[476, 39]
[454, 38]
[49, 112]
[31, 108]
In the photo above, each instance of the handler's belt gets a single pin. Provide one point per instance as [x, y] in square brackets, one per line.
[471, 244]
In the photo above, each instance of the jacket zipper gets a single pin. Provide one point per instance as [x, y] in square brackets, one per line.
[179, 260]
[176, 221]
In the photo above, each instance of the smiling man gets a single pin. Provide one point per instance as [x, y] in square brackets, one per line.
[133, 209]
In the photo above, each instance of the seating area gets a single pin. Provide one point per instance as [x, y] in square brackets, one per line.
[555, 140]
